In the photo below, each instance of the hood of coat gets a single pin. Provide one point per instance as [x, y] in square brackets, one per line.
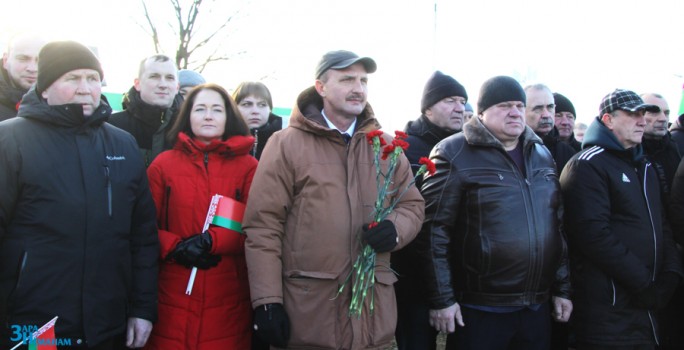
[307, 116]
[234, 146]
[36, 108]
[476, 133]
[423, 128]
[598, 134]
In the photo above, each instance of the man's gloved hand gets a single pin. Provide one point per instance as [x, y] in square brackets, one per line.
[381, 237]
[194, 251]
[272, 325]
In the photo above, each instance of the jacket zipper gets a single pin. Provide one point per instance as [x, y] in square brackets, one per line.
[109, 190]
[24, 257]
[206, 161]
[650, 216]
[12, 301]
[612, 284]
[655, 249]
[256, 142]
[527, 195]
[166, 207]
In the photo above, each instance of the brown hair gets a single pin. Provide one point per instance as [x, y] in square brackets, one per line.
[235, 124]
[255, 88]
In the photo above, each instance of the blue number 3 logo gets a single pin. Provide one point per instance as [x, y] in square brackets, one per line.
[17, 334]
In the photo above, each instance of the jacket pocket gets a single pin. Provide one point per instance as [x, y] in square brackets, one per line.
[476, 253]
[309, 299]
[383, 322]
[21, 277]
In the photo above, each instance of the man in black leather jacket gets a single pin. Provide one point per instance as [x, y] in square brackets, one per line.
[493, 252]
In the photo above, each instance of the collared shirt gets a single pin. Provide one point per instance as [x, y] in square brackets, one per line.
[332, 126]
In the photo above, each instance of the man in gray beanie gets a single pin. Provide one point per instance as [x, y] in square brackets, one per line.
[442, 107]
[491, 249]
[77, 220]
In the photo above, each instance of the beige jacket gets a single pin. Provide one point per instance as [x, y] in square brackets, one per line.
[311, 195]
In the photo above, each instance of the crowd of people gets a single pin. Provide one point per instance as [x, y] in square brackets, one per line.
[532, 232]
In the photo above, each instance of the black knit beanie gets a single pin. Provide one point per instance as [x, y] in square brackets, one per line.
[438, 87]
[60, 57]
[563, 104]
[499, 89]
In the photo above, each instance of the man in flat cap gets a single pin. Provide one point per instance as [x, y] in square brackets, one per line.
[314, 194]
[624, 263]
[492, 252]
[77, 220]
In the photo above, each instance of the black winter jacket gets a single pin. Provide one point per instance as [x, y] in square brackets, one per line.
[147, 123]
[263, 133]
[677, 133]
[491, 235]
[560, 151]
[78, 235]
[9, 96]
[422, 136]
[618, 238]
[664, 156]
[572, 142]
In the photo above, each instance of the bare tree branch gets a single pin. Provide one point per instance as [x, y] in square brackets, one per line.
[153, 28]
[186, 28]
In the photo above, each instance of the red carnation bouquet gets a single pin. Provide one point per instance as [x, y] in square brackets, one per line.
[362, 274]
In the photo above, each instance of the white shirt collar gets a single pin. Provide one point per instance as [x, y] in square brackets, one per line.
[332, 126]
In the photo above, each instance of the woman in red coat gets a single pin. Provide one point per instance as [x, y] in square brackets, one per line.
[210, 157]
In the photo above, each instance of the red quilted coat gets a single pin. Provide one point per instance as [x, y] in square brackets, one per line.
[217, 315]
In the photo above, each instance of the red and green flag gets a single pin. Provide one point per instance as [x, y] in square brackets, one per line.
[228, 214]
[44, 337]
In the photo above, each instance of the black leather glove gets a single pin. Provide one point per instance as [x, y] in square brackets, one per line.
[382, 237]
[272, 325]
[194, 251]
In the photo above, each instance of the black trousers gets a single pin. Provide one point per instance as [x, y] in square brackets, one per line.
[525, 329]
[413, 325]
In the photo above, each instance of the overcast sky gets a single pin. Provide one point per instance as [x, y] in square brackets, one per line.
[581, 49]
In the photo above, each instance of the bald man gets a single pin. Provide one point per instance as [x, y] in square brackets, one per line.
[19, 72]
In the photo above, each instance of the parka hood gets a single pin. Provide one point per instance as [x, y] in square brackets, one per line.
[598, 134]
[68, 115]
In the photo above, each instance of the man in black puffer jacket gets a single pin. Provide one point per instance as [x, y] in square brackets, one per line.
[78, 236]
[150, 106]
[442, 107]
[624, 262]
[493, 253]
